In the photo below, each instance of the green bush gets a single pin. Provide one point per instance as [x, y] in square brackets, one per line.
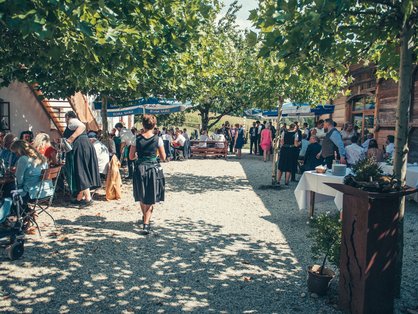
[326, 230]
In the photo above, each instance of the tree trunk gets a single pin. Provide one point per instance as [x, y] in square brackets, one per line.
[103, 114]
[204, 115]
[401, 135]
[276, 142]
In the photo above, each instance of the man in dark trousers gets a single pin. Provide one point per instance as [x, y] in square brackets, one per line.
[253, 138]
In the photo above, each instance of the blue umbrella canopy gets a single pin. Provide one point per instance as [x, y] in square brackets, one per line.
[292, 110]
[151, 105]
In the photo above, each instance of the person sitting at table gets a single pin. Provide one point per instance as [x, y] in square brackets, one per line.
[203, 139]
[354, 152]
[28, 171]
[374, 151]
[310, 159]
[6, 154]
[288, 153]
[219, 137]
[179, 141]
[42, 143]
[390, 148]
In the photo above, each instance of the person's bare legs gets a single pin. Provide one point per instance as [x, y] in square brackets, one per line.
[279, 176]
[148, 213]
[265, 155]
[85, 194]
[288, 174]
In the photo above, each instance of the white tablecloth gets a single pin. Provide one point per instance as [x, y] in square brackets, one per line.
[411, 176]
[312, 181]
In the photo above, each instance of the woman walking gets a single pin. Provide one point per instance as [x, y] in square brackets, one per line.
[265, 143]
[148, 179]
[288, 153]
[81, 165]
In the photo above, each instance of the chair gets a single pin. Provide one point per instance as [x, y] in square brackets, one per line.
[41, 204]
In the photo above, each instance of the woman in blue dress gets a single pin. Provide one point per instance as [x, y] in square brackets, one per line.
[239, 139]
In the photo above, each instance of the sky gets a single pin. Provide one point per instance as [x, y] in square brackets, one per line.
[242, 15]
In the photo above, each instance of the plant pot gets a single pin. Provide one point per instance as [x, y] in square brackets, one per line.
[318, 283]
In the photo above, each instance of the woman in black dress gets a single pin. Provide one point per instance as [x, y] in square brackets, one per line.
[288, 153]
[148, 178]
[81, 165]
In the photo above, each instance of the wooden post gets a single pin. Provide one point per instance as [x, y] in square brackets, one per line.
[103, 114]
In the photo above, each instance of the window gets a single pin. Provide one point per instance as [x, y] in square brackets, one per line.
[362, 112]
[4, 116]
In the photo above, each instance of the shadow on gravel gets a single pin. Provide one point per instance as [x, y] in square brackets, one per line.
[293, 223]
[180, 182]
[102, 266]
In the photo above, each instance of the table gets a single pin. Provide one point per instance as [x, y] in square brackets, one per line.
[411, 176]
[311, 188]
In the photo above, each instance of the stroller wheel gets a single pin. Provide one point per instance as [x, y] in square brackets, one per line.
[15, 250]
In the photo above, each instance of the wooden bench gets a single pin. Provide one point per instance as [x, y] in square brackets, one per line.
[209, 148]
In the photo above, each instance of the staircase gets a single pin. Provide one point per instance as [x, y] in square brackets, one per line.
[57, 108]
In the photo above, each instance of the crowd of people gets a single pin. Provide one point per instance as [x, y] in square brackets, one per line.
[324, 144]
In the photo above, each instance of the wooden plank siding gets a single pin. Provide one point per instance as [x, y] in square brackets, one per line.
[365, 83]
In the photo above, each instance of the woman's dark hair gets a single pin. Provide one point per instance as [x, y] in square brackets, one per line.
[30, 133]
[70, 115]
[149, 121]
[373, 144]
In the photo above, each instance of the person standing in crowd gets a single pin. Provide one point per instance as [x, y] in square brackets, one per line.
[306, 130]
[288, 153]
[374, 151]
[233, 130]
[390, 148]
[26, 136]
[298, 148]
[303, 146]
[261, 127]
[319, 130]
[239, 139]
[332, 144]
[148, 181]
[347, 133]
[102, 152]
[227, 132]
[109, 143]
[253, 138]
[311, 161]
[42, 144]
[6, 154]
[266, 140]
[117, 139]
[186, 135]
[81, 165]
[354, 152]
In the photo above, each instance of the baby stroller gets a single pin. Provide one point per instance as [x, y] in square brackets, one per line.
[14, 220]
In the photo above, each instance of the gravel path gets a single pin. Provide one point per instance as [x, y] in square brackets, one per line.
[222, 245]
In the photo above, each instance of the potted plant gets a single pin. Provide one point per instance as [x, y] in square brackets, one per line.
[326, 237]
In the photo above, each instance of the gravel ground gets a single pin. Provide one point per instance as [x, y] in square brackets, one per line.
[222, 245]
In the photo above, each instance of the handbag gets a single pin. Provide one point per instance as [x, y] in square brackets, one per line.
[65, 146]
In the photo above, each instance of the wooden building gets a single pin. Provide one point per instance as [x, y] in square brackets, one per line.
[372, 103]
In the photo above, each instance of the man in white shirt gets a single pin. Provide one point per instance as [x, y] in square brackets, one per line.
[101, 151]
[186, 135]
[354, 152]
[320, 132]
[180, 140]
[390, 148]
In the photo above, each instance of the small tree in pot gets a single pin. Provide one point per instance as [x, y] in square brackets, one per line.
[326, 237]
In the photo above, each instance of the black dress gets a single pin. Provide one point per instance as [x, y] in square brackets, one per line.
[81, 165]
[148, 179]
[288, 153]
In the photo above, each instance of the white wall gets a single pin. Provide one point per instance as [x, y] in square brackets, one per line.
[26, 113]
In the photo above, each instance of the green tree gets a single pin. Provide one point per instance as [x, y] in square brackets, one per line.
[340, 33]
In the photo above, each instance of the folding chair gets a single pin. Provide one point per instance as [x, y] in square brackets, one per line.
[41, 204]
